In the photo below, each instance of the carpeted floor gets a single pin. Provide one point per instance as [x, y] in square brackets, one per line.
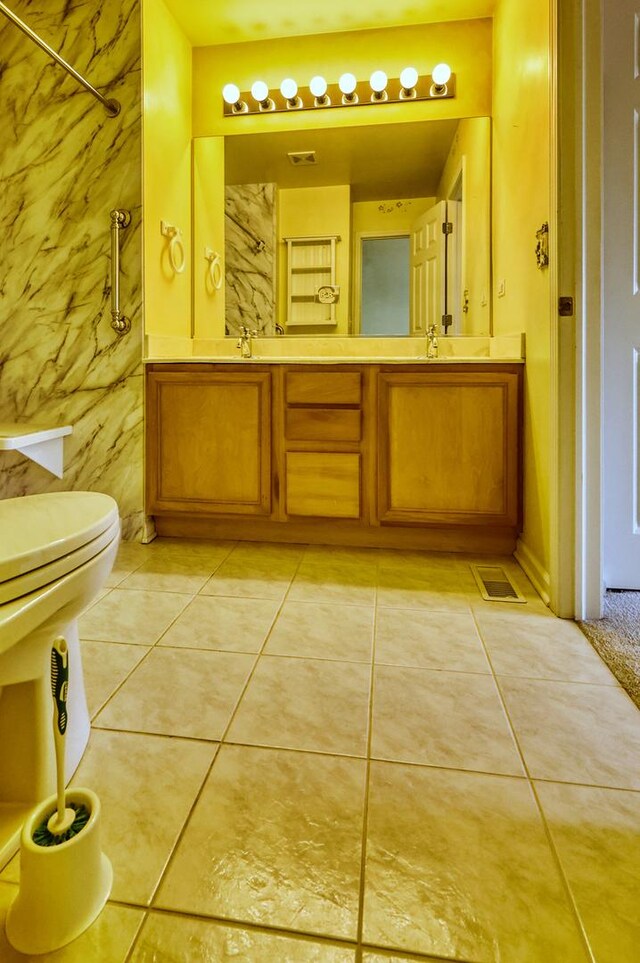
[616, 637]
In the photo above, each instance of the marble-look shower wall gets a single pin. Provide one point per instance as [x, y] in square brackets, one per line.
[64, 164]
[250, 264]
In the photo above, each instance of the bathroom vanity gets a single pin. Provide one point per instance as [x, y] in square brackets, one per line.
[381, 453]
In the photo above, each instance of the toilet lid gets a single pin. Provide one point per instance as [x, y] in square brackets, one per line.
[36, 530]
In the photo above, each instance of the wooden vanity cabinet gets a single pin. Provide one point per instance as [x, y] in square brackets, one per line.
[209, 440]
[448, 447]
[403, 456]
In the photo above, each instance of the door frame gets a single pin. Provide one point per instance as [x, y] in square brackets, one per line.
[576, 543]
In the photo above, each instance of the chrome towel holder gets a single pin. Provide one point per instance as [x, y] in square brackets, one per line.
[214, 269]
[177, 257]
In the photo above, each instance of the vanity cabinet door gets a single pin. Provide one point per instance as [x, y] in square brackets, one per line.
[448, 448]
[209, 442]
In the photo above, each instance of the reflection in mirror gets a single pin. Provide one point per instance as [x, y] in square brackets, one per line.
[375, 230]
[384, 287]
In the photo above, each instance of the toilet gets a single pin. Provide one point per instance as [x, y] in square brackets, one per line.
[56, 552]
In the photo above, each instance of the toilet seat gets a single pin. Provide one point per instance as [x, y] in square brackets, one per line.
[43, 537]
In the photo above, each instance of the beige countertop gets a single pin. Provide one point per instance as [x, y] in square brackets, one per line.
[332, 350]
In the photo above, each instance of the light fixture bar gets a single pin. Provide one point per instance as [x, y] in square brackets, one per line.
[425, 89]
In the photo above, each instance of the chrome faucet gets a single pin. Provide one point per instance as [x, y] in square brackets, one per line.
[432, 341]
[244, 341]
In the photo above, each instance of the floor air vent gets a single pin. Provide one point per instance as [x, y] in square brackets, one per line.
[495, 585]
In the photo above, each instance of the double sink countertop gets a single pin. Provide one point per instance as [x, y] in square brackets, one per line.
[334, 349]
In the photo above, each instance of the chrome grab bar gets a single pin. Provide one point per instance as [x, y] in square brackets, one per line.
[119, 220]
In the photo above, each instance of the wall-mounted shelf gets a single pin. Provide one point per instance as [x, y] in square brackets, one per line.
[37, 442]
[311, 265]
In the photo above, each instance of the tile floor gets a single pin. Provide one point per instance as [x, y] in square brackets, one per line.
[347, 756]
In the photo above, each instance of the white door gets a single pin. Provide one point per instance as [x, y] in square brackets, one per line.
[621, 342]
[427, 284]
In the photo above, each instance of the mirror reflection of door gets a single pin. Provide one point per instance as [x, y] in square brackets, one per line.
[410, 282]
[384, 301]
[428, 269]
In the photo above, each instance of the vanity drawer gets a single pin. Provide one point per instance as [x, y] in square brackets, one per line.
[323, 484]
[323, 424]
[323, 387]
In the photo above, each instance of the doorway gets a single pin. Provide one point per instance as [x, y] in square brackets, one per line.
[384, 300]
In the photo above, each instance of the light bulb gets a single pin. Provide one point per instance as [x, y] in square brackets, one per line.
[347, 84]
[260, 91]
[231, 94]
[409, 77]
[318, 86]
[378, 81]
[441, 74]
[289, 88]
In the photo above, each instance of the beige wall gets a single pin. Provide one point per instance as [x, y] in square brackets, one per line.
[471, 154]
[521, 203]
[167, 169]
[312, 211]
[208, 232]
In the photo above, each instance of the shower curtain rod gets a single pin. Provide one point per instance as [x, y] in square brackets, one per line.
[112, 107]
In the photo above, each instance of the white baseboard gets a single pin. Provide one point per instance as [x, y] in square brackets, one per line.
[534, 570]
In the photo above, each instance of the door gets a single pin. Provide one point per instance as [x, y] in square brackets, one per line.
[621, 342]
[428, 267]
[209, 442]
[448, 448]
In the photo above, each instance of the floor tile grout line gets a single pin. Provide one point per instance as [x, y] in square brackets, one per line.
[248, 565]
[199, 740]
[259, 653]
[547, 831]
[365, 813]
[150, 647]
[302, 936]
[563, 875]
[583, 785]
[327, 754]
[137, 934]
[180, 835]
[212, 571]
[94, 715]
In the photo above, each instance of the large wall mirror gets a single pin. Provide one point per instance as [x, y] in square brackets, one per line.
[380, 230]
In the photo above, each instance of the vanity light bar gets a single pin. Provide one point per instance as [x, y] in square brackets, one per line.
[372, 91]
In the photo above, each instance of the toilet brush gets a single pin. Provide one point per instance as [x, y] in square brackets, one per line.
[66, 821]
[65, 878]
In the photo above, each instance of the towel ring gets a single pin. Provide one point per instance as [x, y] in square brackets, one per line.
[214, 270]
[177, 257]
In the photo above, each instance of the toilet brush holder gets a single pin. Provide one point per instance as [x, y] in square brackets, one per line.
[62, 887]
